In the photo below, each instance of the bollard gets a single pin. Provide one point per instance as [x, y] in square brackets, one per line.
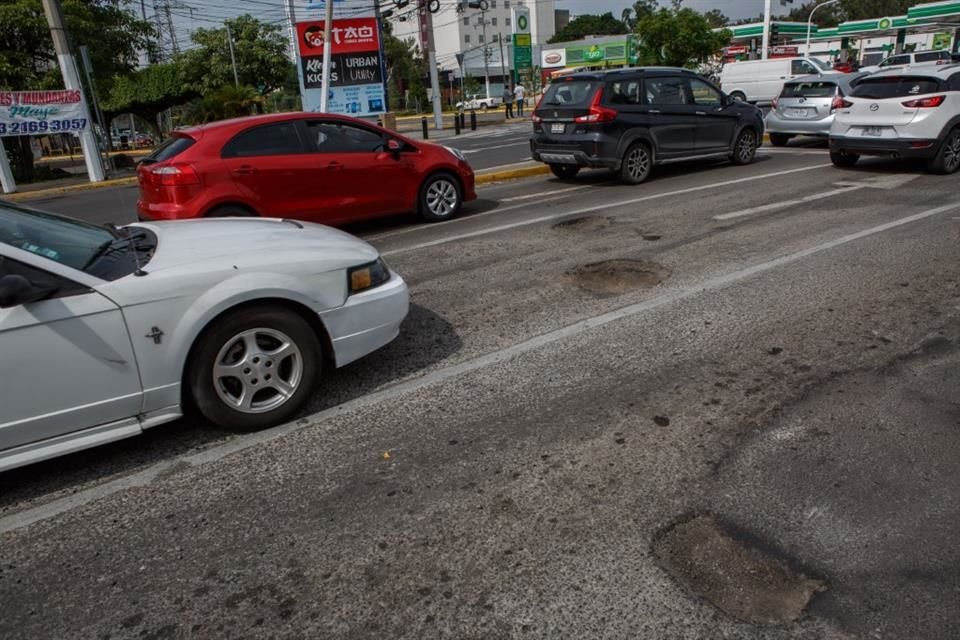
[473, 120]
[456, 124]
[463, 120]
[426, 129]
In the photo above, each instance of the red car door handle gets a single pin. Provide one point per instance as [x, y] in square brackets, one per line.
[334, 166]
[245, 170]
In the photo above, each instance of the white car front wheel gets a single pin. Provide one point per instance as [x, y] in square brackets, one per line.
[254, 368]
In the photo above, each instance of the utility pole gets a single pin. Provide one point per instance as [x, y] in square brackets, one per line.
[327, 57]
[436, 98]
[766, 29]
[383, 62]
[486, 50]
[173, 34]
[233, 60]
[503, 62]
[71, 81]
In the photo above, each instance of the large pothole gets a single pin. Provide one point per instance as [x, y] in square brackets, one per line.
[584, 223]
[618, 276]
[730, 570]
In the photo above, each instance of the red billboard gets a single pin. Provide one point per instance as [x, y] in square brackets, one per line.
[351, 35]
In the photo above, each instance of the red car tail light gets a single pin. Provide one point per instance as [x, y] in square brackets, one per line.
[925, 103]
[597, 113]
[174, 175]
[839, 103]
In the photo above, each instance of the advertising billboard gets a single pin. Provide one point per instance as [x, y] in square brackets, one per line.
[356, 69]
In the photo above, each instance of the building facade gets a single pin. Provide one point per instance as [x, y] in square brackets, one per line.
[482, 37]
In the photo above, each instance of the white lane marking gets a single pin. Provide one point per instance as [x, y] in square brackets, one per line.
[544, 194]
[788, 203]
[241, 443]
[591, 209]
[499, 146]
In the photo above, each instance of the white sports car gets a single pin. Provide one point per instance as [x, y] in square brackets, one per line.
[107, 331]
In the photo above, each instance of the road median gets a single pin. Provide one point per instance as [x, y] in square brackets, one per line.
[511, 172]
[35, 194]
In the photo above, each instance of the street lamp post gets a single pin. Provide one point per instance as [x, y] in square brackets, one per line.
[810, 20]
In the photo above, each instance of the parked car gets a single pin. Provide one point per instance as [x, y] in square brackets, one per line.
[108, 331]
[909, 113]
[306, 166]
[629, 120]
[907, 59]
[479, 103]
[762, 80]
[806, 106]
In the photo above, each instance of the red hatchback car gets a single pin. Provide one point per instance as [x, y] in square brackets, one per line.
[318, 167]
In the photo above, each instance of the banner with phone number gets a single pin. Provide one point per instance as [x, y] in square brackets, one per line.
[30, 113]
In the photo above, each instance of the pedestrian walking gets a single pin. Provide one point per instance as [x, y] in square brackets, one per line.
[520, 93]
[508, 102]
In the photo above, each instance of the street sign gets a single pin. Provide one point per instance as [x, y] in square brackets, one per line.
[356, 66]
[522, 40]
[28, 113]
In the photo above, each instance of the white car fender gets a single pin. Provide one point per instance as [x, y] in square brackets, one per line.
[181, 320]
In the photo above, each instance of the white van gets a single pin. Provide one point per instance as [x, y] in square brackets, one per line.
[762, 80]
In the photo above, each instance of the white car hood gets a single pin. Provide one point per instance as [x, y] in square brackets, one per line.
[253, 241]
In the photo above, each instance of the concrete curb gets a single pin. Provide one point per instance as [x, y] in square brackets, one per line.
[512, 174]
[42, 193]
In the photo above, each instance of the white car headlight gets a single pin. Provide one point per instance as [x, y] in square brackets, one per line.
[456, 152]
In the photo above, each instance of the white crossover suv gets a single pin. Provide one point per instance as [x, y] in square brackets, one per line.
[905, 113]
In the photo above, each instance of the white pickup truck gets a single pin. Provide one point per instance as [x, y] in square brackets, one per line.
[479, 103]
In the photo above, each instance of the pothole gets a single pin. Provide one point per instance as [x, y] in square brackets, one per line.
[734, 573]
[618, 276]
[585, 223]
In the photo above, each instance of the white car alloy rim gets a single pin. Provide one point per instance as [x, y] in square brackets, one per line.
[951, 155]
[257, 370]
[442, 198]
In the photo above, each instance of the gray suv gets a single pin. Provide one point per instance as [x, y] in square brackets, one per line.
[629, 120]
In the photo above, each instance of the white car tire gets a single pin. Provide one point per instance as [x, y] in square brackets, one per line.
[254, 368]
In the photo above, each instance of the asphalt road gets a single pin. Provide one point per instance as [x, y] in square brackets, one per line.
[744, 425]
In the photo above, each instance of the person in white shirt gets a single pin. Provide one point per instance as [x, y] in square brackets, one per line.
[519, 91]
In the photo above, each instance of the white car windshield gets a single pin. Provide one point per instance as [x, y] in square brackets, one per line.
[101, 251]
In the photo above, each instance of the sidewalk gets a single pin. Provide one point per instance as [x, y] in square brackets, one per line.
[66, 185]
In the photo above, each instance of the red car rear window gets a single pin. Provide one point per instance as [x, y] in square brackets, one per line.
[170, 148]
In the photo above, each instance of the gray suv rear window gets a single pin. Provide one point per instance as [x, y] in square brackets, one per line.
[570, 93]
[896, 87]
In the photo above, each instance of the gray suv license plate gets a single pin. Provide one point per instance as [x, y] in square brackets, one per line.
[558, 127]
[558, 158]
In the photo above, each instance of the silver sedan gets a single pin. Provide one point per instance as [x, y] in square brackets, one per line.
[108, 331]
[806, 106]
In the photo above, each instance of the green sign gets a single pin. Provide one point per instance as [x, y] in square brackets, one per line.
[593, 54]
[523, 57]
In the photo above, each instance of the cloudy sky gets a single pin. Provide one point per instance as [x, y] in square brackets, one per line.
[734, 9]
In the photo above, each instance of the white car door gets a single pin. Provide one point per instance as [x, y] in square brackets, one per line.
[66, 362]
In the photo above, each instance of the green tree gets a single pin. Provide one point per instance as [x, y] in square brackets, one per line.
[150, 91]
[111, 32]
[405, 71]
[589, 25]
[260, 49]
[845, 10]
[228, 101]
[678, 38]
[716, 18]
